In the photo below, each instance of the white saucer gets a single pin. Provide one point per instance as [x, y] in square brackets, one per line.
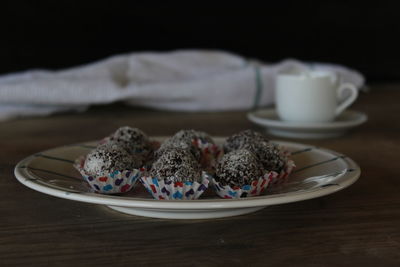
[268, 118]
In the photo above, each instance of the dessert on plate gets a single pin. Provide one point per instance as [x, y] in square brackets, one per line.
[250, 165]
[115, 164]
[183, 165]
[178, 169]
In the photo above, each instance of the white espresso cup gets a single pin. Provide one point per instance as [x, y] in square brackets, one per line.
[313, 96]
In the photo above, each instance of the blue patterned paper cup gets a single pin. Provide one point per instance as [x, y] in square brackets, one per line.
[112, 183]
[167, 190]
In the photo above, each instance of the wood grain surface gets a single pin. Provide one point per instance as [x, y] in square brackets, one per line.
[359, 226]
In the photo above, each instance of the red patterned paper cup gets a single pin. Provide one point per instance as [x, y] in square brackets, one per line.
[210, 153]
[283, 175]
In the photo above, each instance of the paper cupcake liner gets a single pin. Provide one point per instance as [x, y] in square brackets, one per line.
[210, 153]
[161, 189]
[112, 183]
[283, 175]
[256, 187]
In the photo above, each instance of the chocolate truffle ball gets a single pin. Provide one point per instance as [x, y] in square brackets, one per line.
[243, 139]
[176, 165]
[190, 135]
[266, 152]
[238, 168]
[108, 158]
[185, 139]
[133, 140]
[180, 144]
[269, 155]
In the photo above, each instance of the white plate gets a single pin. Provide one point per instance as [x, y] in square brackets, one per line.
[268, 118]
[319, 172]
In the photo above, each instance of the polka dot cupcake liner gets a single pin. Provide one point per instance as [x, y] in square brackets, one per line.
[112, 183]
[256, 187]
[210, 153]
[283, 176]
[167, 190]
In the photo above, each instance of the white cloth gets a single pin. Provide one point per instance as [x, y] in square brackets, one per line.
[187, 80]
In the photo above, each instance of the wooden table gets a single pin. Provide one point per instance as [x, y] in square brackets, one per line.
[359, 226]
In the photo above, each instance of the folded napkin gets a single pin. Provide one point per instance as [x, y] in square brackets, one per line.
[187, 80]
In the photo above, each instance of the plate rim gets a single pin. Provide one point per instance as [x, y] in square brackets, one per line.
[272, 123]
[22, 174]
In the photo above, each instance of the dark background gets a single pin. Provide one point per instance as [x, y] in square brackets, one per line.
[59, 34]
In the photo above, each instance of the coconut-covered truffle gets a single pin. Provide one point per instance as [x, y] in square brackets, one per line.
[185, 139]
[108, 158]
[190, 135]
[176, 165]
[238, 168]
[269, 155]
[243, 139]
[266, 152]
[180, 144]
[133, 140]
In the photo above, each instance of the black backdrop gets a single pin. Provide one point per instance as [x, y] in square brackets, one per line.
[59, 34]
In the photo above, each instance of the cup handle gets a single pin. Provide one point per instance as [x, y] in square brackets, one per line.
[347, 102]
